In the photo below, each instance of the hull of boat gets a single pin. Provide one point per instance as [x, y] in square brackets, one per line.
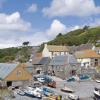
[96, 95]
[32, 95]
[69, 91]
[98, 81]
[73, 97]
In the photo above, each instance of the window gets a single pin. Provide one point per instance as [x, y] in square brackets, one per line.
[19, 73]
[96, 62]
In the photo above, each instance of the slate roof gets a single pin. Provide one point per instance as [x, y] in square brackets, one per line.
[36, 60]
[84, 47]
[6, 69]
[86, 54]
[56, 48]
[43, 61]
[63, 60]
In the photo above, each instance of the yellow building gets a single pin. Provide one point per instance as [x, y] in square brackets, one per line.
[10, 73]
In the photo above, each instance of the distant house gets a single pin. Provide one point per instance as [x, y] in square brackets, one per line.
[88, 58]
[81, 47]
[40, 64]
[97, 49]
[63, 66]
[54, 50]
[98, 42]
[85, 47]
[13, 73]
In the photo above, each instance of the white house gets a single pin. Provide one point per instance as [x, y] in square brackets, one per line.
[88, 58]
[54, 50]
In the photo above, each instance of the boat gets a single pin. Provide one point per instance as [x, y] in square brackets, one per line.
[97, 93]
[98, 81]
[52, 84]
[73, 97]
[33, 92]
[66, 89]
[20, 92]
[71, 79]
[84, 77]
[37, 93]
[36, 84]
[47, 91]
[29, 93]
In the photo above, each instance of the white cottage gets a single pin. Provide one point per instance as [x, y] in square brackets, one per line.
[88, 58]
[54, 50]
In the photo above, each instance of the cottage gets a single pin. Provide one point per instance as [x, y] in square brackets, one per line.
[63, 66]
[12, 73]
[40, 64]
[54, 50]
[88, 58]
[81, 47]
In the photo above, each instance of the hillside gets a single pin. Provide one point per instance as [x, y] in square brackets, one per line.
[77, 37]
[21, 54]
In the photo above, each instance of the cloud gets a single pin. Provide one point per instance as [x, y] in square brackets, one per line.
[32, 8]
[13, 38]
[36, 38]
[71, 8]
[13, 22]
[56, 28]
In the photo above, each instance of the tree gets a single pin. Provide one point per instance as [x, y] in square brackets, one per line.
[59, 35]
[86, 27]
[26, 43]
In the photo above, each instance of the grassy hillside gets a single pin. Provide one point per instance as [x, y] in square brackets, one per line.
[15, 54]
[77, 37]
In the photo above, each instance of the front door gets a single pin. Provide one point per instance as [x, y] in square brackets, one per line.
[9, 83]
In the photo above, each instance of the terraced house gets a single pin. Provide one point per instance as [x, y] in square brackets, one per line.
[54, 50]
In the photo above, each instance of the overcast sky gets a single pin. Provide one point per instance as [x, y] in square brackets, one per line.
[39, 21]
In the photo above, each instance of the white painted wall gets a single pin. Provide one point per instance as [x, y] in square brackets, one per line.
[85, 61]
[45, 52]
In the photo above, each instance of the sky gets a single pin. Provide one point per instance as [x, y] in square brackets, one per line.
[39, 21]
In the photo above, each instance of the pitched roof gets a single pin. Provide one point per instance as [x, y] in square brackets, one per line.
[63, 60]
[57, 48]
[42, 61]
[86, 54]
[84, 47]
[6, 69]
[36, 60]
